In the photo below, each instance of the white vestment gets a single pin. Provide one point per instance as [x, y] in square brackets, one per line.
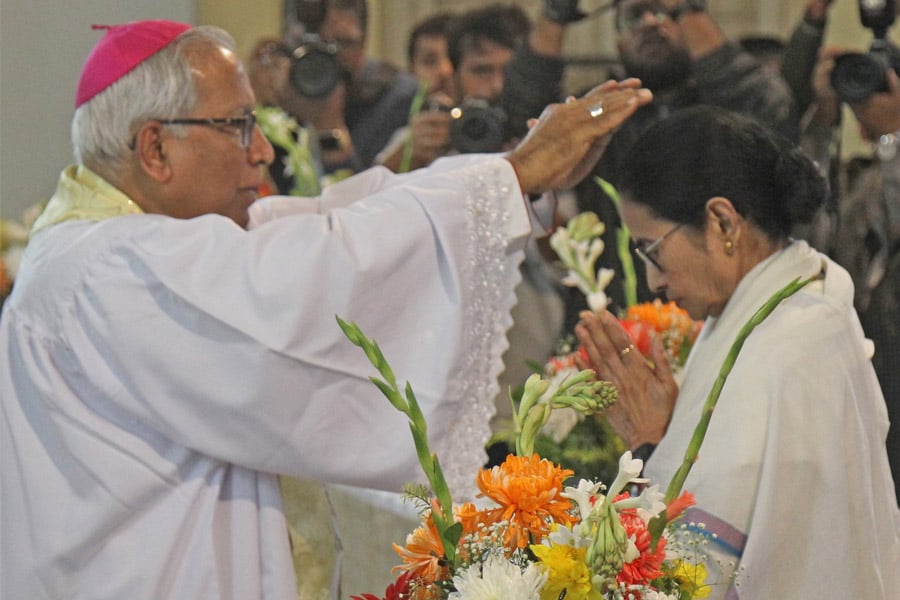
[793, 475]
[158, 373]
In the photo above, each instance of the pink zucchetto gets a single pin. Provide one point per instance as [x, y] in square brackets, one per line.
[119, 51]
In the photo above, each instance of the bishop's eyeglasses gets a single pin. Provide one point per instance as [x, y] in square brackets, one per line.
[245, 124]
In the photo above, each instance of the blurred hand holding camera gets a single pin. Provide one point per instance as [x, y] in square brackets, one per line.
[879, 114]
[563, 11]
[430, 132]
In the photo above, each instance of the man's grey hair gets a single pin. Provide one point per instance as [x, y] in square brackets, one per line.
[161, 87]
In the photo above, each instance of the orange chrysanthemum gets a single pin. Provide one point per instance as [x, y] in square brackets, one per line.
[423, 555]
[473, 519]
[527, 490]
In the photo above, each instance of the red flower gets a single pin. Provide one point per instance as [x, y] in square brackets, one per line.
[646, 567]
[678, 505]
[640, 334]
[395, 591]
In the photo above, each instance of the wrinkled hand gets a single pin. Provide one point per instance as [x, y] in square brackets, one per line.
[880, 113]
[646, 393]
[564, 144]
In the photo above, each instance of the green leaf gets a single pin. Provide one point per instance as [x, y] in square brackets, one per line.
[390, 393]
[623, 244]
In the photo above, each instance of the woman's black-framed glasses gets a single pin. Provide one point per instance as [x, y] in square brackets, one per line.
[645, 253]
[245, 124]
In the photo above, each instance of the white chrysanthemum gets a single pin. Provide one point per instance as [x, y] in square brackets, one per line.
[498, 579]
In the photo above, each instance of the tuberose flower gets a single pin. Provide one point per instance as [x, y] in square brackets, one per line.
[528, 492]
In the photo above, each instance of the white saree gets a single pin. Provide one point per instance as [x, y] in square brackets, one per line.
[792, 477]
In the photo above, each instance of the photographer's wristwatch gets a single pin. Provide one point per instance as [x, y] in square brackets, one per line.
[333, 140]
[887, 146]
[687, 7]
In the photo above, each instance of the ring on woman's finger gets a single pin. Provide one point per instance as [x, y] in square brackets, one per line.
[626, 350]
[596, 109]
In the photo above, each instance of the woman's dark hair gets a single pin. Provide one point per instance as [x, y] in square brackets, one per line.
[702, 152]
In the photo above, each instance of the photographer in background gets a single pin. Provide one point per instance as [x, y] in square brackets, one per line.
[867, 238]
[354, 101]
[297, 168]
[506, 69]
[427, 135]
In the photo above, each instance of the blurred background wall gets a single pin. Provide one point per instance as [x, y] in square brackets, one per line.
[43, 45]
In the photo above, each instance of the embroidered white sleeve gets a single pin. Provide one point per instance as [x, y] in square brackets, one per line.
[489, 277]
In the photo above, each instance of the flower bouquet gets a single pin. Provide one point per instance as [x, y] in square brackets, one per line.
[534, 536]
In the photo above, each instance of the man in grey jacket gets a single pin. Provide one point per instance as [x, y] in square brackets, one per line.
[677, 50]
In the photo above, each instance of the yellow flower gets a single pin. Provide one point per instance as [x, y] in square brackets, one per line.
[690, 578]
[566, 570]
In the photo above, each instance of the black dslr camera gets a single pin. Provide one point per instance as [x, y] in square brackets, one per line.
[315, 71]
[476, 125]
[857, 76]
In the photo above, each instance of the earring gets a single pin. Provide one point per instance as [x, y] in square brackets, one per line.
[729, 247]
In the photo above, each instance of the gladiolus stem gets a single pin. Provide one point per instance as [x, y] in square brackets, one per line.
[693, 449]
[448, 530]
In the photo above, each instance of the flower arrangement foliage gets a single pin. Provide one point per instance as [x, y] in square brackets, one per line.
[284, 131]
[535, 535]
[13, 239]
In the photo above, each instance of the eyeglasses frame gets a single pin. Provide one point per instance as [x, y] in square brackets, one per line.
[646, 253]
[247, 124]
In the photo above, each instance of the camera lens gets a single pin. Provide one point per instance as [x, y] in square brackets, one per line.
[477, 127]
[315, 71]
[857, 76]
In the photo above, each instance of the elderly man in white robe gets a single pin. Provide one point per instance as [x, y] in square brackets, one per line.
[162, 364]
